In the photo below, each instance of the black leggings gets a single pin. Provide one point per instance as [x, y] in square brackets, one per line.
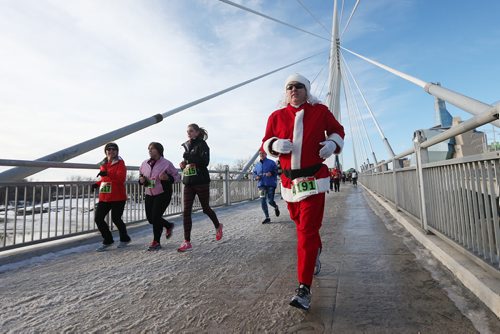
[116, 208]
[203, 192]
[155, 207]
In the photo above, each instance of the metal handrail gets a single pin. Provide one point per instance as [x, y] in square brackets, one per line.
[487, 117]
[39, 211]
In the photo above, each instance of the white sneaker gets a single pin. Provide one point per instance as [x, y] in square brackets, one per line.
[123, 244]
[103, 247]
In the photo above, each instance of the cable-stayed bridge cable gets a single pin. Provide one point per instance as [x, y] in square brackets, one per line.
[353, 116]
[341, 11]
[354, 119]
[350, 17]
[377, 125]
[19, 173]
[359, 116]
[403, 75]
[322, 88]
[272, 18]
[314, 17]
[317, 75]
[461, 101]
[211, 96]
[354, 152]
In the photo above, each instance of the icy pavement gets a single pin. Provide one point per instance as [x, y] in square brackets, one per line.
[371, 281]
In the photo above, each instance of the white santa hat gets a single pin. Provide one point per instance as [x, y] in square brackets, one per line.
[296, 77]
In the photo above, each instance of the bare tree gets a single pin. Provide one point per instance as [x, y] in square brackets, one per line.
[79, 178]
[221, 168]
[240, 163]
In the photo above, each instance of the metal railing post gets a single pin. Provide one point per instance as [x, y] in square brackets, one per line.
[421, 157]
[227, 196]
[395, 167]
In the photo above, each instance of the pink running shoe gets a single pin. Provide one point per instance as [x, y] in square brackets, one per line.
[218, 233]
[155, 245]
[185, 247]
[169, 230]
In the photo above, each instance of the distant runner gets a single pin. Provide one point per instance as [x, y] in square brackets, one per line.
[266, 172]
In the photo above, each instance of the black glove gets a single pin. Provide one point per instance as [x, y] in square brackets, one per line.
[103, 173]
[95, 186]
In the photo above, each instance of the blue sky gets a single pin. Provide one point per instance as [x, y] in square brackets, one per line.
[72, 70]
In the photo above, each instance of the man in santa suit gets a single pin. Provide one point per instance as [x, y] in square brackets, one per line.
[303, 134]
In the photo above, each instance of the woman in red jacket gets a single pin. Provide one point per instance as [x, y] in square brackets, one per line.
[112, 197]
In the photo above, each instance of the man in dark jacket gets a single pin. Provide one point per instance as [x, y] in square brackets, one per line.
[266, 173]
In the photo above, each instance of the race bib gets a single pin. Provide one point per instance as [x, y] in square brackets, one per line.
[151, 184]
[105, 188]
[190, 170]
[262, 193]
[303, 187]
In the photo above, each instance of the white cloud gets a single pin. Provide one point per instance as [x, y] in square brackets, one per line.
[77, 69]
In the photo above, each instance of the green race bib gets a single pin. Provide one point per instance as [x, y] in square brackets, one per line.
[190, 170]
[105, 188]
[303, 187]
[151, 184]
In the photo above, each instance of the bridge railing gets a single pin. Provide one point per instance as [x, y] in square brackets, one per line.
[457, 200]
[462, 199]
[34, 212]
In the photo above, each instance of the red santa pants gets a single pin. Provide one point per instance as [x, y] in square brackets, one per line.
[308, 216]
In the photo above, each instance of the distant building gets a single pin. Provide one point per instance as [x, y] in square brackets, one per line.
[469, 143]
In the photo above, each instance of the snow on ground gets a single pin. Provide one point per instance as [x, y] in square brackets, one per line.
[219, 286]
[240, 284]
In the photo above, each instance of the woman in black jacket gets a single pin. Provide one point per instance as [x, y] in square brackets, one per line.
[196, 182]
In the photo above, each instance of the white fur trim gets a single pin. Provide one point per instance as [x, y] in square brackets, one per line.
[338, 140]
[298, 136]
[303, 80]
[266, 147]
[298, 78]
[323, 187]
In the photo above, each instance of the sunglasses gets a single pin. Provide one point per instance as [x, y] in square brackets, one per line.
[297, 86]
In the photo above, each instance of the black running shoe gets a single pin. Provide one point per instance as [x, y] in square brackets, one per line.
[277, 211]
[266, 221]
[302, 298]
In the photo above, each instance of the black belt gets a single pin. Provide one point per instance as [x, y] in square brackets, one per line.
[302, 172]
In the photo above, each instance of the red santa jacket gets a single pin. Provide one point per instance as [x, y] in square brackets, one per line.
[117, 173]
[306, 127]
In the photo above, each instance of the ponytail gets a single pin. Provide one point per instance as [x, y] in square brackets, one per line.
[203, 134]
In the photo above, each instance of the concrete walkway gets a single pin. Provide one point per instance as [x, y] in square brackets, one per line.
[371, 282]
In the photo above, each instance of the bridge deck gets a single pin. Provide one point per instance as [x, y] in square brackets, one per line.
[371, 281]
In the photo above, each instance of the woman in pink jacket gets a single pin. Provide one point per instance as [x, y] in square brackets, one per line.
[158, 174]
